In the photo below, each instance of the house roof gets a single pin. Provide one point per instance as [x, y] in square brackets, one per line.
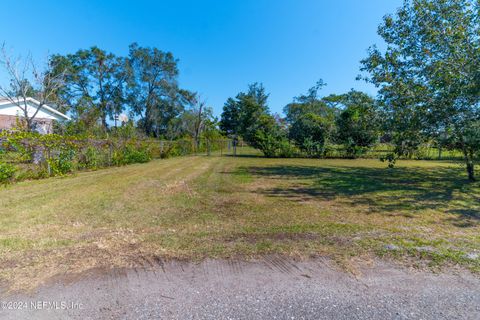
[4, 101]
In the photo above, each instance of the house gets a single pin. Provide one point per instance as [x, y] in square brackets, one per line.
[10, 112]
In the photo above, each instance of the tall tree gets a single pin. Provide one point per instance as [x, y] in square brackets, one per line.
[307, 103]
[311, 133]
[95, 84]
[231, 118]
[152, 88]
[248, 116]
[193, 122]
[243, 112]
[267, 135]
[252, 104]
[429, 70]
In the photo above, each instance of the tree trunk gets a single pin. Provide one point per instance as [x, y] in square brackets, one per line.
[104, 123]
[234, 146]
[471, 171]
[29, 124]
[470, 164]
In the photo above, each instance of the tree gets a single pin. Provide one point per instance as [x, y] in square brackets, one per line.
[231, 118]
[211, 132]
[357, 123]
[243, 112]
[95, 83]
[252, 105]
[311, 121]
[307, 103]
[429, 70]
[266, 135]
[152, 90]
[311, 132]
[27, 80]
[193, 122]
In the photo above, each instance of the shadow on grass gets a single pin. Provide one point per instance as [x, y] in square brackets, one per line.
[391, 191]
[253, 155]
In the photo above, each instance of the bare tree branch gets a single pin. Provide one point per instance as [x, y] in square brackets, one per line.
[27, 79]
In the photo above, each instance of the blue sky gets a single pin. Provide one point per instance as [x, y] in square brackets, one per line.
[222, 45]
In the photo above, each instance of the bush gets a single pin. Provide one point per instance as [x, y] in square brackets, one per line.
[357, 124]
[267, 136]
[353, 151]
[90, 159]
[7, 173]
[42, 156]
[131, 154]
[311, 133]
[390, 158]
[137, 156]
[287, 150]
[62, 164]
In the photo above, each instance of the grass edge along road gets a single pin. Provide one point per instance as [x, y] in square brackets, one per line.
[422, 213]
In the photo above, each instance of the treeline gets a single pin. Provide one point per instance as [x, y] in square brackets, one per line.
[427, 75]
[311, 125]
[429, 92]
[124, 109]
[102, 91]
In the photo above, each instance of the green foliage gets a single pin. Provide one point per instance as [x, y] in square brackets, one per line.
[41, 156]
[125, 131]
[90, 158]
[62, 164]
[132, 154]
[152, 89]
[286, 149]
[94, 83]
[308, 103]
[312, 122]
[428, 73]
[390, 158]
[247, 116]
[241, 114]
[267, 136]
[357, 123]
[310, 133]
[7, 173]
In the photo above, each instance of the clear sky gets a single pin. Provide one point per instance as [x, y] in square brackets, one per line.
[222, 45]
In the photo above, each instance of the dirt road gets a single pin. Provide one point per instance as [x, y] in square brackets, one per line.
[271, 288]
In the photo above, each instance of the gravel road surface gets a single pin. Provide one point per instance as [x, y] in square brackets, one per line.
[271, 288]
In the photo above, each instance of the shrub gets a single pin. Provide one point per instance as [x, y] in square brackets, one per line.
[267, 136]
[287, 150]
[7, 173]
[311, 133]
[167, 151]
[62, 164]
[131, 154]
[90, 159]
[390, 158]
[357, 124]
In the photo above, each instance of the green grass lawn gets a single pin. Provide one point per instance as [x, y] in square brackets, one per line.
[421, 213]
